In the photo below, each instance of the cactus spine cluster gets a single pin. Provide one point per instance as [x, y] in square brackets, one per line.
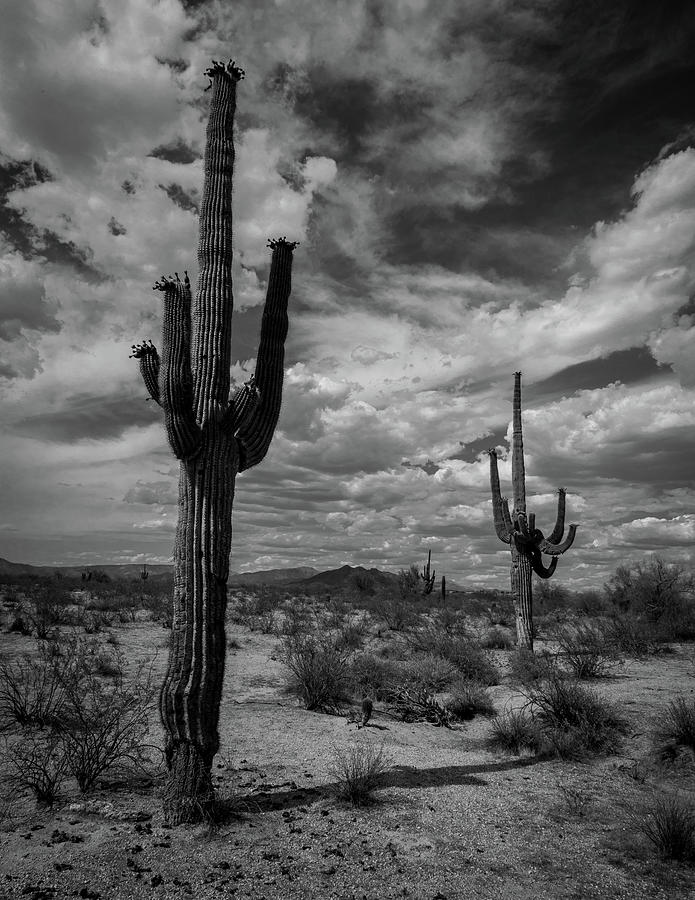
[518, 529]
[215, 436]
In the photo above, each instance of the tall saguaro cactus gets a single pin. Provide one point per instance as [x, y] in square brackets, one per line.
[518, 529]
[215, 436]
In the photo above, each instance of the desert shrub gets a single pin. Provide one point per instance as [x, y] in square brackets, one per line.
[351, 635]
[319, 671]
[257, 609]
[337, 610]
[574, 720]
[525, 666]
[425, 671]
[676, 724]
[585, 650]
[104, 728]
[37, 762]
[499, 613]
[668, 822]
[396, 610]
[450, 620]
[497, 638]
[657, 591]
[459, 649]
[358, 771]
[47, 608]
[468, 699]
[95, 727]
[629, 635]
[31, 693]
[513, 731]
[373, 675]
[297, 618]
[20, 625]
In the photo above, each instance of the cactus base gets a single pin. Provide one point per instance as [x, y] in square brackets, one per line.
[189, 795]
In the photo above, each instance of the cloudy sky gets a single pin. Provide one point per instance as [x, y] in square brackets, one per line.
[479, 187]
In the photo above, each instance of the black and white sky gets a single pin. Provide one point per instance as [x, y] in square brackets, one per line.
[479, 187]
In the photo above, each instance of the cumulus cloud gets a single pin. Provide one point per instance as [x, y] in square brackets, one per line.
[396, 144]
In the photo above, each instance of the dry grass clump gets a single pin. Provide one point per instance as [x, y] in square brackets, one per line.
[585, 650]
[668, 823]
[358, 771]
[527, 667]
[497, 638]
[574, 720]
[561, 718]
[469, 699]
[675, 726]
[513, 732]
[465, 654]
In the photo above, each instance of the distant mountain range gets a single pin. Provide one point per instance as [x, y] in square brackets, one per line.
[299, 578]
[129, 570]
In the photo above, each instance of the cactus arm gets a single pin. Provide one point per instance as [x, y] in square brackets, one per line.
[212, 310]
[540, 569]
[545, 546]
[146, 353]
[255, 434]
[506, 516]
[518, 472]
[557, 532]
[500, 507]
[244, 403]
[175, 379]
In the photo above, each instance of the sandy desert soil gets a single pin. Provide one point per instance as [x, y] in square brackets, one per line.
[452, 820]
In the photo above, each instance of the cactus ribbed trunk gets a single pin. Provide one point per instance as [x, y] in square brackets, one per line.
[214, 436]
[522, 596]
[518, 529]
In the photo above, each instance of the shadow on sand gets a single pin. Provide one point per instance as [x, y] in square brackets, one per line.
[398, 776]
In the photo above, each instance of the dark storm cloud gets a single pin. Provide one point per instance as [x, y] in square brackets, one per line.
[88, 417]
[175, 152]
[664, 461]
[16, 175]
[23, 305]
[626, 366]
[180, 197]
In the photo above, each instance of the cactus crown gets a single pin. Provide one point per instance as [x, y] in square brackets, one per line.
[228, 70]
[171, 282]
[275, 243]
[143, 349]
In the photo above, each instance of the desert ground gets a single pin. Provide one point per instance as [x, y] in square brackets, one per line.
[450, 817]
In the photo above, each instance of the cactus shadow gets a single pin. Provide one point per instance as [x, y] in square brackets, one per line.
[401, 776]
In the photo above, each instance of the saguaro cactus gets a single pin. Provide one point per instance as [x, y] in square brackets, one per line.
[427, 575]
[519, 530]
[214, 436]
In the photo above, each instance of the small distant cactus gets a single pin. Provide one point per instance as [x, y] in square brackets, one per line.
[144, 574]
[519, 530]
[443, 588]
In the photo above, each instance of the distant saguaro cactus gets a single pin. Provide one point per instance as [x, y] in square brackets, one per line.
[519, 529]
[215, 436]
[427, 575]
